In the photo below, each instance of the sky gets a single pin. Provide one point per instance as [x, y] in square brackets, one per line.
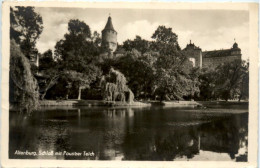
[208, 29]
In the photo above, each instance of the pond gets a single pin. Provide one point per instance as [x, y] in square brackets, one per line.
[114, 133]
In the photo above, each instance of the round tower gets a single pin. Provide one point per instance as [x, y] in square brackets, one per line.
[235, 50]
[109, 37]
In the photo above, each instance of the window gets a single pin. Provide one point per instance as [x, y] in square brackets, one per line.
[193, 61]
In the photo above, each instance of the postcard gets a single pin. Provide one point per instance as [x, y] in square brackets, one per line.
[120, 84]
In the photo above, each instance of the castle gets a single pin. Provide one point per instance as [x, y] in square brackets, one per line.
[213, 58]
[109, 37]
[197, 57]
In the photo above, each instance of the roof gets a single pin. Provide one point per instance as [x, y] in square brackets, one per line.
[216, 53]
[191, 46]
[109, 25]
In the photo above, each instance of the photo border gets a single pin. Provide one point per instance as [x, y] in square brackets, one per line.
[253, 85]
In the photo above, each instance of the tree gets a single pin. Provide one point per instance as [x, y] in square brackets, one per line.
[165, 36]
[46, 61]
[229, 79]
[96, 39]
[172, 78]
[194, 82]
[207, 79]
[77, 55]
[139, 72]
[25, 29]
[48, 73]
[14, 32]
[114, 87]
[83, 80]
[23, 86]
[244, 88]
[138, 43]
[77, 49]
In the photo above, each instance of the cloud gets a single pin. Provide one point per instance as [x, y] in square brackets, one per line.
[208, 29]
[215, 39]
[98, 26]
[50, 36]
[143, 28]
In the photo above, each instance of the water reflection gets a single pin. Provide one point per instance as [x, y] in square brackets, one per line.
[130, 134]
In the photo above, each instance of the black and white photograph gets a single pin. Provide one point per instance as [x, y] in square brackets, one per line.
[130, 84]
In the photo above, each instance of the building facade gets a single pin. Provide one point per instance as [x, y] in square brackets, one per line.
[213, 58]
[194, 54]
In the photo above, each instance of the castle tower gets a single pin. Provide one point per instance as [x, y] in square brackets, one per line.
[235, 50]
[194, 54]
[109, 37]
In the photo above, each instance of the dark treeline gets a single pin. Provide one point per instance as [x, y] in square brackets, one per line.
[154, 70]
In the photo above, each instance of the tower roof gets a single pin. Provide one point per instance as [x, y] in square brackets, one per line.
[235, 45]
[109, 25]
[191, 46]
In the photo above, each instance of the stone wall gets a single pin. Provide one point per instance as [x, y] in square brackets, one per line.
[109, 40]
[196, 54]
[211, 58]
[215, 61]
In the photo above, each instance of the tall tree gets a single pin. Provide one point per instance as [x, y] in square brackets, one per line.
[229, 79]
[138, 43]
[83, 80]
[77, 54]
[49, 72]
[25, 28]
[207, 79]
[76, 49]
[139, 72]
[173, 80]
[165, 36]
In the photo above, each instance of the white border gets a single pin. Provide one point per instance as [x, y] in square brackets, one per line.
[253, 97]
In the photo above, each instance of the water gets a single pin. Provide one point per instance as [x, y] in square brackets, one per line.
[152, 133]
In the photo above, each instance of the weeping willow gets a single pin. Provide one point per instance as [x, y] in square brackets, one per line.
[114, 87]
[23, 87]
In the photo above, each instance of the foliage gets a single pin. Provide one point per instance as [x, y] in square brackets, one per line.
[83, 80]
[76, 49]
[173, 81]
[114, 87]
[138, 43]
[23, 86]
[25, 28]
[139, 72]
[174, 84]
[244, 87]
[46, 61]
[165, 36]
[156, 68]
[229, 79]
[77, 56]
[48, 72]
[207, 79]
[96, 39]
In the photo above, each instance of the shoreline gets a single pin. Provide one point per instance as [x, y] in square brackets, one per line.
[91, 103]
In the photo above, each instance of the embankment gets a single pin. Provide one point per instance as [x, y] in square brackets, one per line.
[90, 103]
